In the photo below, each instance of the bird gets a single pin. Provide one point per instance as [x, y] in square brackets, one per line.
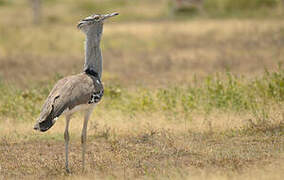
[79, 92]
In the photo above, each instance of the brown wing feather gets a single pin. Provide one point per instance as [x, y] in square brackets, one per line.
[66, 94]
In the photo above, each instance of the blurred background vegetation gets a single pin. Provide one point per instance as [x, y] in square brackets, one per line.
[158, 44]
[229, 8]
[56, 10]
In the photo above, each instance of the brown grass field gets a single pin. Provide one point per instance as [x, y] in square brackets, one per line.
[159, 118]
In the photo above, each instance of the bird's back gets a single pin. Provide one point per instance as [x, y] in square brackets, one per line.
[68, 93]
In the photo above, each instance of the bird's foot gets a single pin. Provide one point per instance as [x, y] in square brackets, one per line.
[67, 170]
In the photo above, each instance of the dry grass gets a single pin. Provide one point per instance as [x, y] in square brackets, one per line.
[149, 153]
[160, 53]
[165, 113]
[146, 146]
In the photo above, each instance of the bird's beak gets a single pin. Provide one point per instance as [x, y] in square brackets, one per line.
[106, 16]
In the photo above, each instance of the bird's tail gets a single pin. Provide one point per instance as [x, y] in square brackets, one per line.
[44, 125]
[46, 118]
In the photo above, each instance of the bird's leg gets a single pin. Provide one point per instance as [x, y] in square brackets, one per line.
[84, 136]
[66, 138]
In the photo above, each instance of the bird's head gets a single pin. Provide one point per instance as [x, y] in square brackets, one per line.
[94, 22]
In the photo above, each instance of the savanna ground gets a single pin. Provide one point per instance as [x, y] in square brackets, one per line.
[197, 98]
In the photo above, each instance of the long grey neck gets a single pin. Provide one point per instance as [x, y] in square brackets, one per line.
[93, 54]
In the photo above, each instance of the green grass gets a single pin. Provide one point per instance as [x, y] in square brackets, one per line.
[217, 92]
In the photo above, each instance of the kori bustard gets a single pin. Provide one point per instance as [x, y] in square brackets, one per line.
[81, 91]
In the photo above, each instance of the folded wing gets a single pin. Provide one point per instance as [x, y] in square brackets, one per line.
[66, 94]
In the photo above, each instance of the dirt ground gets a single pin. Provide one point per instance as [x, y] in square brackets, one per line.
[150, 154]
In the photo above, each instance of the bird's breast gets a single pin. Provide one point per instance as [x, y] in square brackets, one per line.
[81, 107]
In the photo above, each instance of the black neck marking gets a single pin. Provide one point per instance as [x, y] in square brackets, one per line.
[92, 72]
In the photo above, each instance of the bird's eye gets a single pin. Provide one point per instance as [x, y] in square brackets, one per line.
[96, 18]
